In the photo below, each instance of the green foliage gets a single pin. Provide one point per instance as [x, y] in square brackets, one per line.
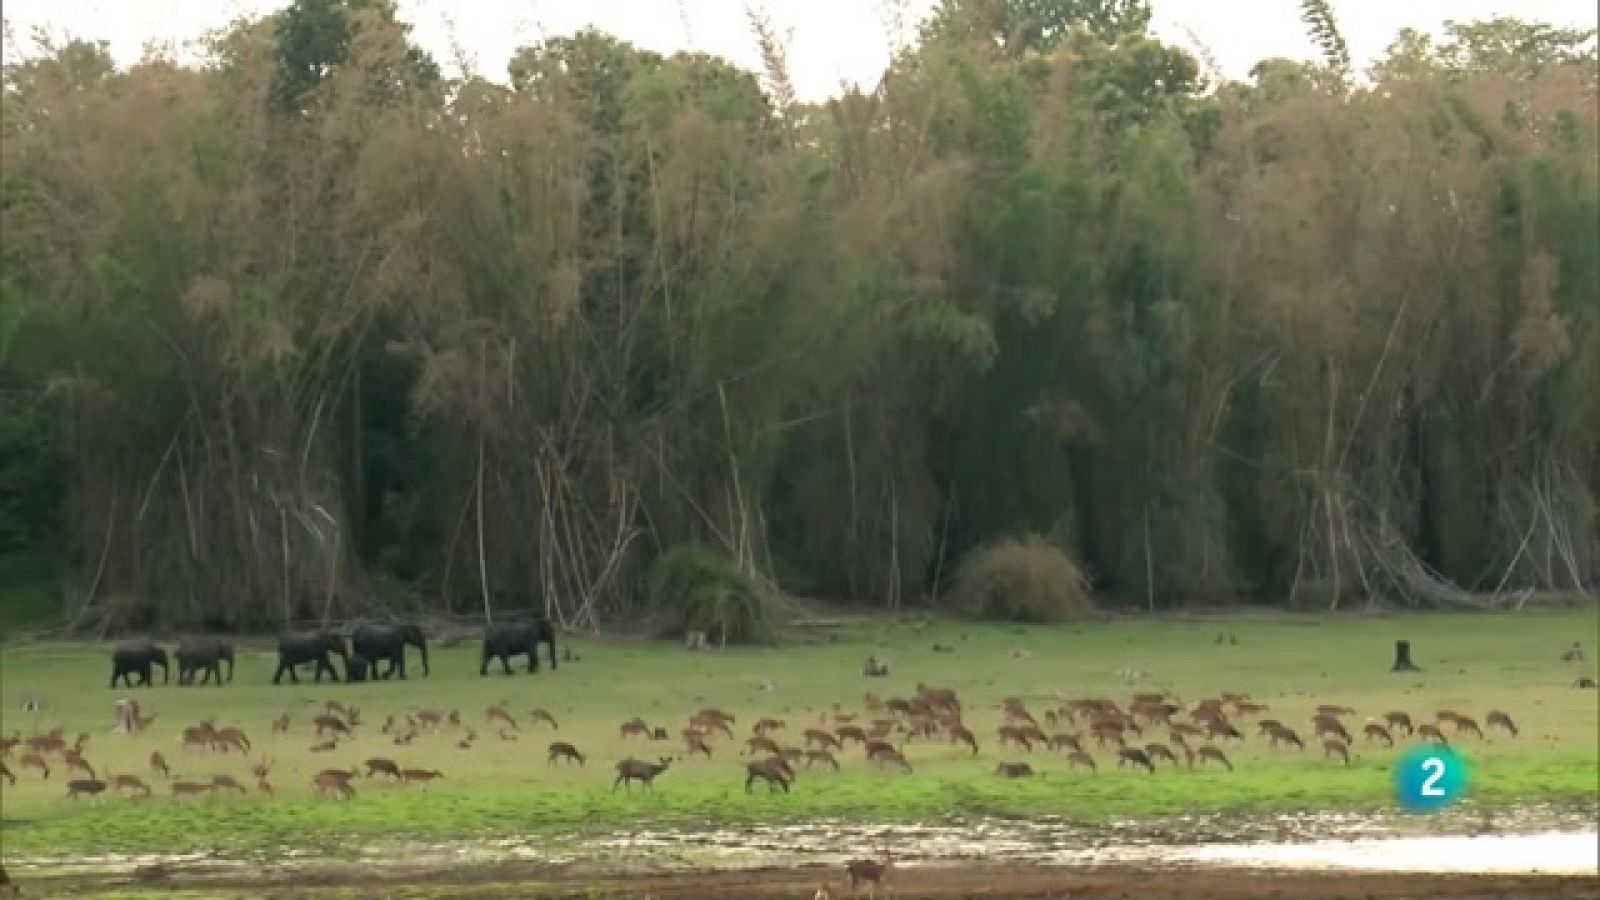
[1030, 579]
[1324, 28]
[699, 590]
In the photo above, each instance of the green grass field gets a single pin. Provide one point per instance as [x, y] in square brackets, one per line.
[1472, 664]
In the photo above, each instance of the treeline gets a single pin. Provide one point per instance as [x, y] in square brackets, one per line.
[310, 327]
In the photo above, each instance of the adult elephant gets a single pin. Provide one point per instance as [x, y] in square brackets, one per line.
[137, 657]
[298, 649]
[380, 642]
[515, 639]
[196, 655]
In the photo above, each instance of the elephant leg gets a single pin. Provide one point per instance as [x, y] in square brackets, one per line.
[115, 671]
[399, 665]
[483, 668]
[533, 657]
[505, 661]
[215, 669]
[317, 666]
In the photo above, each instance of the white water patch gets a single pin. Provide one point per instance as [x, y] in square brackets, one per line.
[1553, 852]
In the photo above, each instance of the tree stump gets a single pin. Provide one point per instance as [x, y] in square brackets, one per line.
[1402, 658]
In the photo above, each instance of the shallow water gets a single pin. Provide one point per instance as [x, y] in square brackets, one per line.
[1552, 852]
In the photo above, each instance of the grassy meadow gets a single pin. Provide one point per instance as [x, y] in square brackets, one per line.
[1472, 664]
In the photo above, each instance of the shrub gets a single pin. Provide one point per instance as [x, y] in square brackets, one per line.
[697, 589]
[1030, 579]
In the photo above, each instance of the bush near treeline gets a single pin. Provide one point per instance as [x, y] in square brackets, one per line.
[311, 322]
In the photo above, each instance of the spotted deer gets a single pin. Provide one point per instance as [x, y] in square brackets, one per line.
[85, 787]
[542, 715]
[1397, 721]
[1209, 752]
[1336, 748]
[822, 740]
[226, 783]
[335, 782]
[420, 776]
[130, 783]
[815, 756]
[1375, 732]
[774, 771]
[190, 788]
[631, 770]
[1135, 756]
[884, 753]
[1014, 770]
[158, 763]
[1498, 719]
[762, 744]
[380, 765]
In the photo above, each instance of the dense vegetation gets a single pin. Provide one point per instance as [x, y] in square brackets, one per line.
[311, 326]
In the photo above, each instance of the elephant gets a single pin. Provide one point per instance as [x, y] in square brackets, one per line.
[359, 668]
[138, 657]
[515, 639]
[378, 642]
[299, 649]
[206, 655]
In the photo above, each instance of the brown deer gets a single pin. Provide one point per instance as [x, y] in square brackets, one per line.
[634, 727]
[1498, 719]
[329, 723]
[158, 763]
[1375, 732]
[76, 763]
[631, 770]
[1160, 751]
[1184, 728]
[1398, 720]
[1080, 758]
[1014, 770]
[85, 787]
[939, 697]
[34, 760]
[695, 742]
[765, 725]
[199, 736]
[190, 788]
[1233, 697]
[1265, 727]
[429, 720]
[1336, 748]
[81, 742]
[336, 708]
[711, 713]
[884, 753]
[542, 715]
[334, 781]
[1283, 734]
[563, 750]
[774, 771]
[1209, 752]
[1247, 708]
[850, 733]
[710, 724]
[1216, 729]
[1432, 733]
[1135, 756]
[231, 737]
[1330, 709]
[961, 734]
[499, 714]
[420, 776]
[1328, 726]
[821, 739]
[815, 756]
[1467, 723]
[1105, 735]
[870, 872]
[280, 725]
[380, 764]
[130, 783]
[764, 744]
[872, 701]
[1061, 740]
[226, 783]
[326, 746]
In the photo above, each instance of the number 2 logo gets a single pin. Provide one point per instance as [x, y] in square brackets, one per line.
[1430, 787]
[1428, 779]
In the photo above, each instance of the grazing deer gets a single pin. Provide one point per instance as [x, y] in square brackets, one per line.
[199, 736]
[326, 746]
[1015, 715]
[1265, 727]
[1061, 740]
[695, 742]
[1135, 756]
[81, 742]
[1233, 697]
[190, 788]
[337, 708]
[1210, 752]
[1160, 751]
[1283, 734]
[280, 725]
[764, 744]
[939, 697]
[421, 776]
[761, 727]
[231, 737]
[158, 763]
[386, 766]
[329, 723]
[1431, 732]
[1467, 723]
[774, 771]
[634, 727]
[226, 783]
[1328, 726]
[130, 783]
[873, 702]
[1397, 720]
[76, 763]
[1247, 708]
[542, 715]
[850, 733]
[81, 787]
[563, 750]
[1184, 728]
[1014, 770]
[815, 756]
[429, 720]
[1216, 729]
[869, 872]
[822, 739]
[498, 713]
[1496, 718]
[1375, 732]
[334, 781]
[631, 770]
[1329, 709]
[884, 753]
[1336, 748]
[34, 760]
[1106, 734]
[961, 734]
[711, 713]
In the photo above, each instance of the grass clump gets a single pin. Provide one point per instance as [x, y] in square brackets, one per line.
[1029, 579]
[697, 589]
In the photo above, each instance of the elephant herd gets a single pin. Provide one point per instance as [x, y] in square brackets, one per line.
[368, 645]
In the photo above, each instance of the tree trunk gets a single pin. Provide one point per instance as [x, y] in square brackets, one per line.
[1402, 658]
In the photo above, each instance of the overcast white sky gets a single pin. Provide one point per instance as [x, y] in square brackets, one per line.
[830, 41]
